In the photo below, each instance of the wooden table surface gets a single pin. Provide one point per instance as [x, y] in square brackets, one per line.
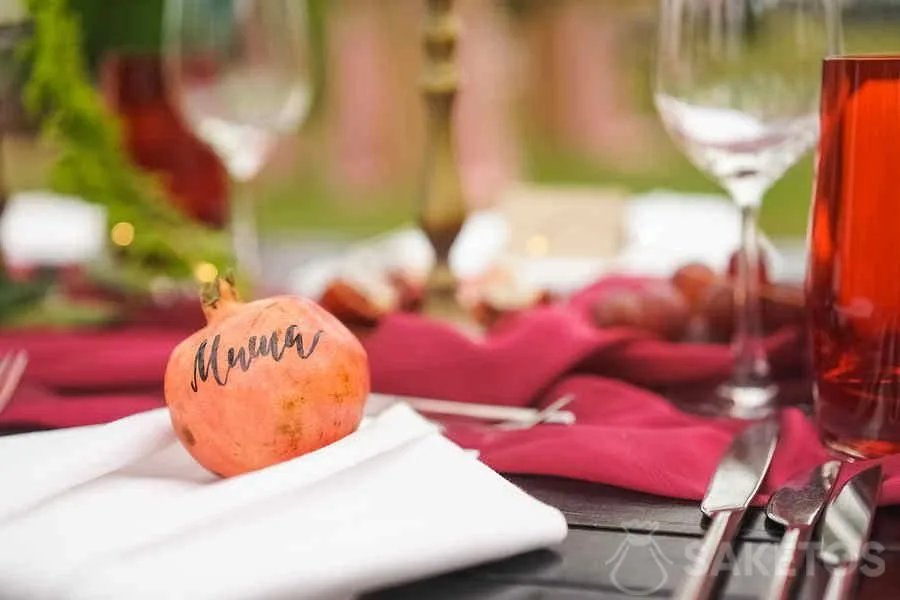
[624, 544]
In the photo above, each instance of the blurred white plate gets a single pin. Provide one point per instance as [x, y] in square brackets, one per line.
[42, 228]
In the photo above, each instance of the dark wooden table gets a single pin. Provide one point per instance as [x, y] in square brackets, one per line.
[625, 544]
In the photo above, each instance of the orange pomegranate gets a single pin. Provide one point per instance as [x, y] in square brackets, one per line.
[264, 381]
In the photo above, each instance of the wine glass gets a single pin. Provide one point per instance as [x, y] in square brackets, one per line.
[737, 86]
[239, 73]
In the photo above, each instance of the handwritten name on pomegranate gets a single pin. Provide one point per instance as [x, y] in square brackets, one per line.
[206, 360]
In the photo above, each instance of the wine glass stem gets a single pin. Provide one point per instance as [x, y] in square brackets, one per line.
[751, 367]
[244, 235]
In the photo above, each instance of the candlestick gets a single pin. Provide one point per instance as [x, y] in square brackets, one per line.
[442, 211]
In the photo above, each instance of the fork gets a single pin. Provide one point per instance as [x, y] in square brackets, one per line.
[12, 367]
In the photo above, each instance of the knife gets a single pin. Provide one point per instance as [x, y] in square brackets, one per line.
[486, 412]
[737, 479]
[845, 530]
[797, 506]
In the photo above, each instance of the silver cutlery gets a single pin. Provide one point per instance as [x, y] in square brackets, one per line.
[508, 416]
[846, 526]
[797, 506]
[12, 367]
[542, 416]
[734, 485]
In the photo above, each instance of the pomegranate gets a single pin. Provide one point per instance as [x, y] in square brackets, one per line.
[718, 312]
[264, 381]
[693, 280]
[350, 306]
[658, 308]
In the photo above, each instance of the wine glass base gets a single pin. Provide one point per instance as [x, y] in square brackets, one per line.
[730, 401]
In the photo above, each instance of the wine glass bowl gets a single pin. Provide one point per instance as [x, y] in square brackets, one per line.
[242, 115]
[239, 73]
[737, 88]
[737, 149]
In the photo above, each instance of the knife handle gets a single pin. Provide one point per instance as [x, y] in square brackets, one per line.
[840, 584]
[790, 556]
[700, 580]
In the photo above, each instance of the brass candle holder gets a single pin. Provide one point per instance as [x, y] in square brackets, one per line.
[442, 211]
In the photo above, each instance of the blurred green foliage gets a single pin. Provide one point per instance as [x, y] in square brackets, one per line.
[127, 25]
[89, 159]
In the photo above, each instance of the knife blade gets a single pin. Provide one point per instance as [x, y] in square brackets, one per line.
[486, 412]
[736, 481]
[846, 526]
[797, 506]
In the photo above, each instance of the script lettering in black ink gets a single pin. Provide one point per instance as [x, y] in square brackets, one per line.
[206, 360]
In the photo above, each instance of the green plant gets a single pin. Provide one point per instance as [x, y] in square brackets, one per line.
[91, 162]
[123, 25]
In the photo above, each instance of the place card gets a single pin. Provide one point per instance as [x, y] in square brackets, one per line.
[564, 221]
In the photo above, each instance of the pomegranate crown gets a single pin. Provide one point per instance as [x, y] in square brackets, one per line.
[220, 288]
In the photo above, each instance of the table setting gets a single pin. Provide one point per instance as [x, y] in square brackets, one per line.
[464, 407]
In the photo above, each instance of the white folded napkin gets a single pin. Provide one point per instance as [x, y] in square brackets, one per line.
[122, 511]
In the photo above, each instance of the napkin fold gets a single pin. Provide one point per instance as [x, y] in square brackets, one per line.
[122, 511]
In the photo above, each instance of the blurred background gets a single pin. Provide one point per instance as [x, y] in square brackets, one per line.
[553, 93]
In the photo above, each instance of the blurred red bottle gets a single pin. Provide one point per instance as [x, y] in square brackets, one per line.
[159, 141]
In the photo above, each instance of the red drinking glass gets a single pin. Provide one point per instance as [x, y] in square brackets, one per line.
[853, 281]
